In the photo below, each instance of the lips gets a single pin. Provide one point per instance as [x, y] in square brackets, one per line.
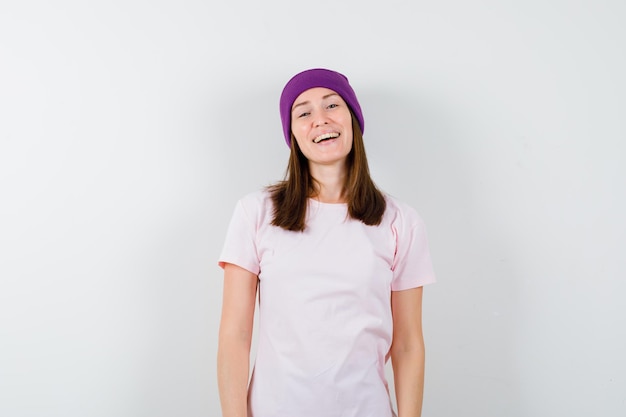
[326, 136]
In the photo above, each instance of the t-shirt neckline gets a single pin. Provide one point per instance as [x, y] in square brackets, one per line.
[317, 203]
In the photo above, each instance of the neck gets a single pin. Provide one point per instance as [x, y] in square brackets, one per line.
[329, 183]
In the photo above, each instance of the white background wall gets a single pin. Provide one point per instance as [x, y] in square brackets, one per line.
[128, 129]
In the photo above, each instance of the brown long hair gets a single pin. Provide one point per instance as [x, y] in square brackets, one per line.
[365, 202]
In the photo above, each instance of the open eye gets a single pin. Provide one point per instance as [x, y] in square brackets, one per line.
[333, 105]
[304, 114]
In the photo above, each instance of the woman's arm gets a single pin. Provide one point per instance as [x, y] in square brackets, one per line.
[407, 351]
[235, 336]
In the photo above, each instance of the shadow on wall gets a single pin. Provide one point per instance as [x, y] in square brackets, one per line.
[420, 149]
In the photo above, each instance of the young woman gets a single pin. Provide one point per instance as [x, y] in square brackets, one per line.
[338, 267]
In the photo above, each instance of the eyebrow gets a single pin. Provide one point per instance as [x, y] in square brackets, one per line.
[306, 102]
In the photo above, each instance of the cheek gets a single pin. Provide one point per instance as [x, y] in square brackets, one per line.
[348, 128]
[299, 136]
[298, 130]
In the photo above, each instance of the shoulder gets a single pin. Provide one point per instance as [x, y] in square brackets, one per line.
[256, 205]
[401, 214]
[256, 198]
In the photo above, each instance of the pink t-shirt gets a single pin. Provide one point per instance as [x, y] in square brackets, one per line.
[325, 324]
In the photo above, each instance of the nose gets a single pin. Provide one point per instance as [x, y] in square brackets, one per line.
[320, 119]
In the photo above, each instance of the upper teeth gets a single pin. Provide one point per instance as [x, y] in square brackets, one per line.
[325, 136]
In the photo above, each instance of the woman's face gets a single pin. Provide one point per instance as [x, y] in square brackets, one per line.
[322, 125]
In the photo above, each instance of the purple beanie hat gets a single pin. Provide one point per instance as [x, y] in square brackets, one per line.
[316, 78]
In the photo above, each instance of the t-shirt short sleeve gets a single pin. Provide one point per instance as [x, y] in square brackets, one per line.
[412, 265]
[240, 243]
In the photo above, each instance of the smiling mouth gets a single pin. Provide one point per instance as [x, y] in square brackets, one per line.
[326, 136]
